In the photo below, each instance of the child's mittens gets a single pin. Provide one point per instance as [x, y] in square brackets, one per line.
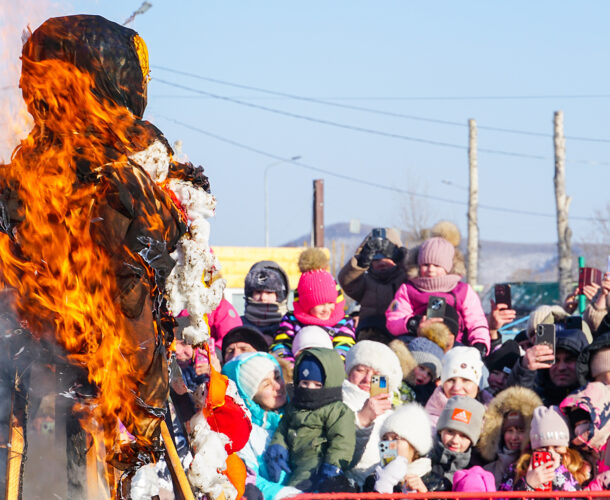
[390, 475]
[328, 471]
[276, 459]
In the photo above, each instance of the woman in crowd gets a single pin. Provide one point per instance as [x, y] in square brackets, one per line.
[261, 386]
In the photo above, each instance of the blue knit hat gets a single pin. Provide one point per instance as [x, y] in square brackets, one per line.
[310, 369]
[427, 354]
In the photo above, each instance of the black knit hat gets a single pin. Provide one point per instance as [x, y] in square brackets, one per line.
[247, 334]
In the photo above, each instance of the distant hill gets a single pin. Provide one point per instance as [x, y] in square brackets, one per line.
[498, 261]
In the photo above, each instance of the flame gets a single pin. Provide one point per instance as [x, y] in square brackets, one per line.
[64, 279]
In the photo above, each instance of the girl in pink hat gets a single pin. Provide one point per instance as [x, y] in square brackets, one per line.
[406, 313]
[319, 301]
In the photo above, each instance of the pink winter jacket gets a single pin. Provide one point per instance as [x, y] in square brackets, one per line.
[411, 300]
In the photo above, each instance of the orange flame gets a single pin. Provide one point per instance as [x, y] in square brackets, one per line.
[64, 277]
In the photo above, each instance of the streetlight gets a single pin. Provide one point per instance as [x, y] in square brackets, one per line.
[274, 164]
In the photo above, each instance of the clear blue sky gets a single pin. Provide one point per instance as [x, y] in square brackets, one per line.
[379, 55]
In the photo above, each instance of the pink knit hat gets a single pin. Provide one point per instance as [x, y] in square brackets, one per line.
[437, 251]
[549, 428]
[474, 479]
[317, 287]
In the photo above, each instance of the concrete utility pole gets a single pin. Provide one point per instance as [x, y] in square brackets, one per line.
[473, 201]
[562, 202]
[318, 213]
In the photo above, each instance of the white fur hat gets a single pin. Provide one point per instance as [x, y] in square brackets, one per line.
[410, 422]
[464, 362]
[379, 357]
[311, 336]
[253, 370]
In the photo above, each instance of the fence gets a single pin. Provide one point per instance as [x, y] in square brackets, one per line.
[449, 495]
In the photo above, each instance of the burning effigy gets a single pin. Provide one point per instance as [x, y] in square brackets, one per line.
[104, 240]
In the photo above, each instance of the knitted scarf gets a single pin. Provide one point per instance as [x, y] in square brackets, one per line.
[264, 314]
[444, 283]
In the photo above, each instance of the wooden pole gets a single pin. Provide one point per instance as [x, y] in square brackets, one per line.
[562, 203]
[473, 201]
[175, 467]
[333, 257]
[318, 213]
[17, 444]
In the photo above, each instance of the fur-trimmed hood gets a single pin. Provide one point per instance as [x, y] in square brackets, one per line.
[407, 361]
[438, 333]
[519, 399]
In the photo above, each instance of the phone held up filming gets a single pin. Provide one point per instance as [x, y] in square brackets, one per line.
[545, 335]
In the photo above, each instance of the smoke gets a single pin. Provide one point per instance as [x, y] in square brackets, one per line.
[16, 18]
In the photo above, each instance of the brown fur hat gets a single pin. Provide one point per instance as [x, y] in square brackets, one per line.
[407, 361]
[313, 259]
[514, 399]
[438, 333]
[287, 369]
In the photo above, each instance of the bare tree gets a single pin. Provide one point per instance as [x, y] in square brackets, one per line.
[417, 213]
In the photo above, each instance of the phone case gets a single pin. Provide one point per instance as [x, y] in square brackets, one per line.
[545, 334]
[379, 385]
[502, 295]
[587, 276]
[388, 450]
[539, 458]
[436, 307]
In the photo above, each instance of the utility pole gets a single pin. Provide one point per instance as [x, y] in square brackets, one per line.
[473, 201]
[562, 202]
[318, 213]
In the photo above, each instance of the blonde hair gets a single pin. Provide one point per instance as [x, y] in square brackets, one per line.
[570, 458]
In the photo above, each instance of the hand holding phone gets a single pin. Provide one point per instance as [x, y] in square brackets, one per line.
[388, 450]
[545, 335]
[588, 276]
[541, 459]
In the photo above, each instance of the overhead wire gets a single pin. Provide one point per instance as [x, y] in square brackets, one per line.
[349, 127]
[328, 102]
[363, 181]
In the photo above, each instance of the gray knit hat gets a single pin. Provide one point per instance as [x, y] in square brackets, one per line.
[462, 414]
[428, 354]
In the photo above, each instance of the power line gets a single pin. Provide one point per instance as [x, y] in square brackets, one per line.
[349, 127]
[363, 181]
[328, 102]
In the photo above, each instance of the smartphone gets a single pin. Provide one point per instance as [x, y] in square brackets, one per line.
[588, 276]
[436, 307]
[545, 334]
[388, 450]
[379, 385]
[539, 458]
[502, 295]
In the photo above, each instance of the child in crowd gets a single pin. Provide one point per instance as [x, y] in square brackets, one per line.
[407, 430]
[319, 302]
[458, 430]
[421, 363]
[506, 429]
[500, 365]
[266, 291]
[461, 375]
[564, 472]
[407, 310]
[315, 440]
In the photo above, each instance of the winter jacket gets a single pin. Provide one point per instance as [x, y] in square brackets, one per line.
[264, 424]
[563, 481]
[573, 341]
[342, 335]
[366, 456]
[435, 406]
[490, 444]
[373, 290]
[221, 320]
[432, 480]
[317, 427]
[446, 462]
[412, 300]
